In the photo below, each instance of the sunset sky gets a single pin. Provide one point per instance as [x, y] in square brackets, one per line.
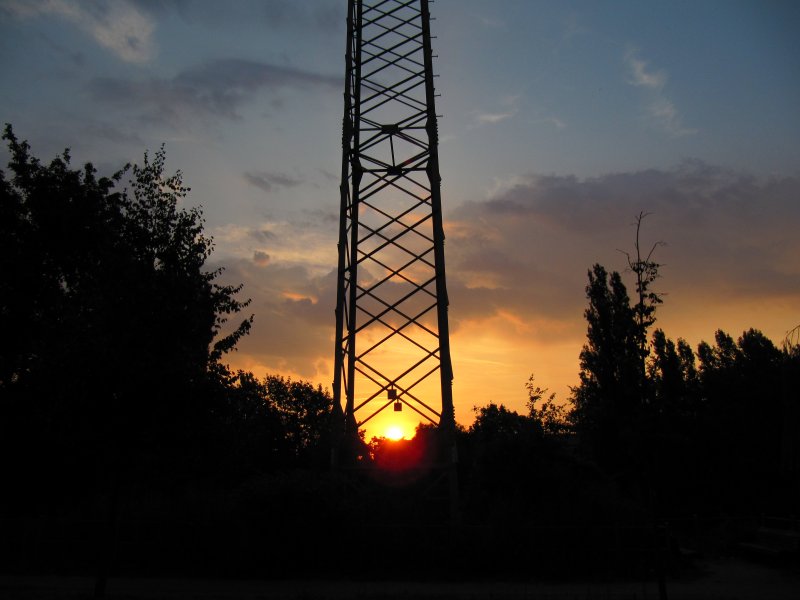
[561, 121]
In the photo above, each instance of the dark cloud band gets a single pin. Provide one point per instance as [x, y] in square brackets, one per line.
[217, 88]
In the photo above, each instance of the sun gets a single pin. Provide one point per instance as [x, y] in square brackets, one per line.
[394, 432]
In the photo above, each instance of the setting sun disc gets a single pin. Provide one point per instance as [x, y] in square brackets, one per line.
[394, 432]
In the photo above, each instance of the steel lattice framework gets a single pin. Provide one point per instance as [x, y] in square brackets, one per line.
[392, 334]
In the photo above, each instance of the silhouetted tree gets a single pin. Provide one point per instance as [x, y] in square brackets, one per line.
[740, 394]
[673, 377]
[111, 323]
[670, 423]
[790, 383]
[645, 269]
[497, 423]
[305, 417]
[610, 393]
[505, 445]
[551, 417]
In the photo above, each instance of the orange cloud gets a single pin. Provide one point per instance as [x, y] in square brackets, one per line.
[516, 268]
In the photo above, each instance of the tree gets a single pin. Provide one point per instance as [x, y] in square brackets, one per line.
[552, 418]
[645, 270]
[610, 389]
[670, 423]
[614, 390]
[305, 414]
[495, 423]
[112, 325]
[741, 411]
[505, 451]
[673, 376]
[790, 380]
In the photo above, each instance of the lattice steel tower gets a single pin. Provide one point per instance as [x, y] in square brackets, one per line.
[392, 336]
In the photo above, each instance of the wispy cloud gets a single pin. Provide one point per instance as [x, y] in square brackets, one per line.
[215, 88]
[507, 109]
[116, 25]
[492, 118]
[105, 131]
[641, 76]
[660, 110]
[320, 17]
[554, 121]
[268, 182]
[489, 22]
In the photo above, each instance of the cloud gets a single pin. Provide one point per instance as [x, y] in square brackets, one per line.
[217, 88]
[664, 113]
[517, 264]
[268, 182]
[307, 241]
[490, 22]
[273, 14]
[641, 77]
[554, 121]
[293, 328]
[661, 111]
[492, 118]
[106, 131]
[509, 104]
[116, 24]
[260, 258]
[288, 268]
[526, 250]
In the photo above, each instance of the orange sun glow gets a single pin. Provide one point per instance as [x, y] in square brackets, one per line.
[394, 432]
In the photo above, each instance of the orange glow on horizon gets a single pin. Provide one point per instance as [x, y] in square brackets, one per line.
[394, 432]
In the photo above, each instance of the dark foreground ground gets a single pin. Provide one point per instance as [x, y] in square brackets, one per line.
[716, 579]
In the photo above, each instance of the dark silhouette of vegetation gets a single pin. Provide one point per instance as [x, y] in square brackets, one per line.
[112, 389]
[681, 434]
[645, 271]
[124, 435]
[114, 327]
[551, 416]
[609, 397]
[703, 432]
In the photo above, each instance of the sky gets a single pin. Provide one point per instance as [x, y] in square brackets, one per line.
[561, 121]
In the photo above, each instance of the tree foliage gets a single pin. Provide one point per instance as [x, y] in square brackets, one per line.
[553, 418]
[645, 271]
[740, 393]
[305, 416]
[113, 324]
[610, 391]
[272, 423]
[497, 423]
[704, 426]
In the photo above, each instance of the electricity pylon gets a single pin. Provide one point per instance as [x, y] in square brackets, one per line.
[392, 335]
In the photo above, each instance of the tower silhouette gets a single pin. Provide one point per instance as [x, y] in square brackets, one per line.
[392, 335]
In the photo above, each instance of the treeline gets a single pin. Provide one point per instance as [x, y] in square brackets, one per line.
[679, 433]
[663, 430]
[708, 432]
[123, 433]
[114, 333]
[125, 440]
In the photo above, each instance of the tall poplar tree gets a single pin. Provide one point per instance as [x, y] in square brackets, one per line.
[609, 394]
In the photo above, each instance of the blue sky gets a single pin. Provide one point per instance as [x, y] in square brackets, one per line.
[561, 121]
